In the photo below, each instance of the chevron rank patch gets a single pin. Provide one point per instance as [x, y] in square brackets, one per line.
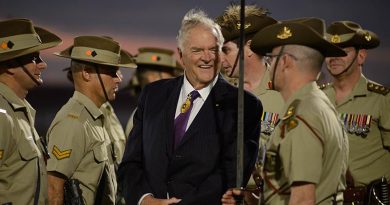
[61, 154]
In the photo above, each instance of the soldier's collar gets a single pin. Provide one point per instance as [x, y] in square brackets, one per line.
[360, 88]
[88, 104]
[302, 91]
[12, 98]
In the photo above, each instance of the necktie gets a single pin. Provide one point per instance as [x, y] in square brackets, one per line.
[181, 120]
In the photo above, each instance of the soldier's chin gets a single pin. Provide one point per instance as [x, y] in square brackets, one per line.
[39, 81]
[112, 97]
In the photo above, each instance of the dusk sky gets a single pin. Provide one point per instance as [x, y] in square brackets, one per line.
[140, 23]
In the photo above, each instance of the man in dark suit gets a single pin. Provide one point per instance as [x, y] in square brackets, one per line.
[182, 149]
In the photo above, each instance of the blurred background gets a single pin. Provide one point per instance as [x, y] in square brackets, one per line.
[154, 23]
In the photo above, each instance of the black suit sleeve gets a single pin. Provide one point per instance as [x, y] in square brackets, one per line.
[131, 176]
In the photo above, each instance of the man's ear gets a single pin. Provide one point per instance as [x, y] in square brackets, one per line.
[361, 58]
[86, 73]
[250, 53]
[180, 55]
[287, 62]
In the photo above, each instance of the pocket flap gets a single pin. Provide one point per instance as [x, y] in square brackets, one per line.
[27, 148]
[100, 153]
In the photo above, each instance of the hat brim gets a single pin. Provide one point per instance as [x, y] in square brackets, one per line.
[126, 60]
[48, 39]
[264, 41]
[359, 40]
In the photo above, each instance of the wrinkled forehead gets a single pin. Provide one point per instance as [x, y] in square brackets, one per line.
[201, 38]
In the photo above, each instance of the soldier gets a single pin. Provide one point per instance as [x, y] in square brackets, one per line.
[153, 64]
[256, 75]
[23, 178]
[114, 130]
[80, 146]
[306, 157]
[363, 106]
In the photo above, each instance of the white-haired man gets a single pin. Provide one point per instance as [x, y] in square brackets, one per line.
[182, 148]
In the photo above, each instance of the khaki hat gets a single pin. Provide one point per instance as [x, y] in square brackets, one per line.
[159, 58]
[304, 31]
[99, 50]
[350, 34]
[252, 25]
[19, 37]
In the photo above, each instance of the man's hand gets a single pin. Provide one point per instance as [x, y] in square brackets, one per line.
[228, 196]
[150, 200]
[55, 188]
[303, 193]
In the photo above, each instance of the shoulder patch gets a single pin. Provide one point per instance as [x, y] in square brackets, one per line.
[376, 88]
[1, 153]
[61, 154]
[323, 86]
[3, 111]
[291, 110]
[289, 117]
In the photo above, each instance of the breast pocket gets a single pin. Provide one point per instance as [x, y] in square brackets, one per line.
[28, 150]
[100, 153]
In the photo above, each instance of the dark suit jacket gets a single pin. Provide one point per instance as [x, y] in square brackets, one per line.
[203, 166]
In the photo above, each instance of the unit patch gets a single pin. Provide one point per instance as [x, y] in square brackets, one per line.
[289, 117]
[61, 154]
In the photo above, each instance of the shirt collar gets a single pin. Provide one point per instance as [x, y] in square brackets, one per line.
[12, 98]
[88, 104]
[204, 92]
[302, 91]
[360, 87]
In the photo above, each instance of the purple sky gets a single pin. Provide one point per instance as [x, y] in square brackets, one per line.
[139, 23]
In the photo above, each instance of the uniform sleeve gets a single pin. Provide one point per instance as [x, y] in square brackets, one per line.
[6, 129]
[384, 122]
[66, 145]
[301, 155]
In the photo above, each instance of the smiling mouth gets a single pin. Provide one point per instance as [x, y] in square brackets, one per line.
[206, 66]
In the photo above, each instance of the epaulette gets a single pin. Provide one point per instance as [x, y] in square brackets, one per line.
[376, 88]
[289, 117]
[323, 86]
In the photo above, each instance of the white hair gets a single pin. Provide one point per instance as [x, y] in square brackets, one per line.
[196, 17]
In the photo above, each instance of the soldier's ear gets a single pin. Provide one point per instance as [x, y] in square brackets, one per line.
[248, 48]
[362, 54]
[86, 73]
